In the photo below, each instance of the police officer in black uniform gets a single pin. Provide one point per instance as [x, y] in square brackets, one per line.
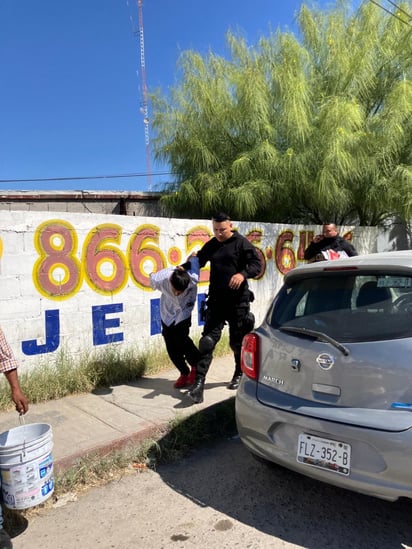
[233, 259]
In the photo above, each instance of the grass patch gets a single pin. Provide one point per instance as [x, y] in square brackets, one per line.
[70, 374]
[198, 429]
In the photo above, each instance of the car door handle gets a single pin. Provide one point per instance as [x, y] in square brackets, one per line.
[327, 389]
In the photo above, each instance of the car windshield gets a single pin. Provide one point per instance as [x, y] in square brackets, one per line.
[347, 306]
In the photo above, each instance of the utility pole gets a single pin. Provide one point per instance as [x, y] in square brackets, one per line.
[144, 105]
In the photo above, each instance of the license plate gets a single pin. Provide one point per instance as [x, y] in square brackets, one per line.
[324, 453]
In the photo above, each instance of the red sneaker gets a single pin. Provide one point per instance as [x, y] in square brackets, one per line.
[191, 377]
[182, 381]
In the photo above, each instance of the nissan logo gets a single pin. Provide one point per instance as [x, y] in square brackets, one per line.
[325, 361]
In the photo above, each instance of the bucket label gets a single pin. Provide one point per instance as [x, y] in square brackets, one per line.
[46, 466]
[30, 472]
[27, 485]
[28, 496]
[48, 487]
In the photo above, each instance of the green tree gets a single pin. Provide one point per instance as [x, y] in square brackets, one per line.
[309, 128]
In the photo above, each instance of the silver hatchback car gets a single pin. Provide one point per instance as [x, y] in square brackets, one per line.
[327, 384]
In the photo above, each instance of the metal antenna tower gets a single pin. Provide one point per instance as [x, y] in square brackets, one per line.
[144, 106]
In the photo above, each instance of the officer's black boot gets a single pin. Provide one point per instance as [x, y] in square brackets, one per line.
[196, 391]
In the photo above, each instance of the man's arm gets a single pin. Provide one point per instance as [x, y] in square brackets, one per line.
[349, 248]
[193, 268]
[253, 264]
[314, 248]
[17, 395]
[157, 278]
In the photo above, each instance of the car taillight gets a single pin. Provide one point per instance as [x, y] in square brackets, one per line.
[249, 356]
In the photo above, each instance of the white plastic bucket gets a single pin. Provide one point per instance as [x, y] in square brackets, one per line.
[26, 465]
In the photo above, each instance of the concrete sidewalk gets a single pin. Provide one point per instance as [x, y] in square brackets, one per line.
[109, 419]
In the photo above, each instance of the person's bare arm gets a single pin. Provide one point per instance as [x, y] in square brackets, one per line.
[17, 395]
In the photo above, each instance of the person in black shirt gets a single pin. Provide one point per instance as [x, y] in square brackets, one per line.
[233, 259]
[328, 240]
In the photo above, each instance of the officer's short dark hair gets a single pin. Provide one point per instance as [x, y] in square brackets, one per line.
[180, 280]
[220, 217]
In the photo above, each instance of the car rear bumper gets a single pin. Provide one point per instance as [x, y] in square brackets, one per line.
[380, 462]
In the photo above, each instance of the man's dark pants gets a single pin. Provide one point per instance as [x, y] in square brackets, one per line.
[180, 346]
[220, 311]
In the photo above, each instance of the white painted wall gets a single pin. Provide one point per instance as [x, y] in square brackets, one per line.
[43, 253]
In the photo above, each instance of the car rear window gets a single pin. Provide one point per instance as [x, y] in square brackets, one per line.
[347, 306]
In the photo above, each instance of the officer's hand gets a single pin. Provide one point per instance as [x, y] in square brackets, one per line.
[236, 281]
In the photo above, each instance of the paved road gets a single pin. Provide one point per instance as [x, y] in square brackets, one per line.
[220, 498]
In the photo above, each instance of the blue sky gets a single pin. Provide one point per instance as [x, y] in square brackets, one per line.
[71, 93]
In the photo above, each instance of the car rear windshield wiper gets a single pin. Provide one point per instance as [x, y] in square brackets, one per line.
[317, 335]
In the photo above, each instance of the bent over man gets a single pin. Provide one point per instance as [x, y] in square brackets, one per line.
[179, 290]
[233, 259]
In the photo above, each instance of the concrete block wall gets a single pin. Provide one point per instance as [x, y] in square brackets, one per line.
[94, 202]
[80, 282]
